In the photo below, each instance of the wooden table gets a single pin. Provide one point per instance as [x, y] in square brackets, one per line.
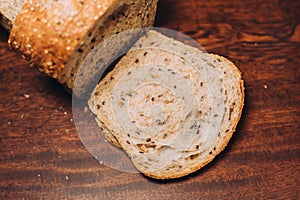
[42, 156]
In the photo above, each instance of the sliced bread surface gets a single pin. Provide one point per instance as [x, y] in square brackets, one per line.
[228, 71]
[171, 107]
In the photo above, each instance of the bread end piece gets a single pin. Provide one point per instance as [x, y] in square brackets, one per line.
[55, 37]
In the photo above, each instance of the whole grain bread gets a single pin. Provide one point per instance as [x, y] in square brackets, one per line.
[56, 36]
[171, 107]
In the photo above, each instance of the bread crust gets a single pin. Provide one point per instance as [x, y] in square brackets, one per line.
[47, 33]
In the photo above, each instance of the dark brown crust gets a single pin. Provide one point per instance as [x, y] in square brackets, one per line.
[47, 34]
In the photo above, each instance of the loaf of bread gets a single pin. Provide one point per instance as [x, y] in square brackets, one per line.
[171, 107]
[56, 36]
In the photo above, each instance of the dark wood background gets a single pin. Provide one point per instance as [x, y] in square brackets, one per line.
[42, 157]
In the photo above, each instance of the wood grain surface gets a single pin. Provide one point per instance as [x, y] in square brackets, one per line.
[42, 156]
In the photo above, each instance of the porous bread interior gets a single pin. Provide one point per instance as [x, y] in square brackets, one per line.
[227, 71]
[124, 16]
[233, 91]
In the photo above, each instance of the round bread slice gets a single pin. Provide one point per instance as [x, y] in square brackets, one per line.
[56, 36]
[171, 107]
[226, 69]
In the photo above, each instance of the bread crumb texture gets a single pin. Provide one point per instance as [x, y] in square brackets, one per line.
[171, 107]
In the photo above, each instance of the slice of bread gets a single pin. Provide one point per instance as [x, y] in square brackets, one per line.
[171, 107]
[56, 36]
[227, 71]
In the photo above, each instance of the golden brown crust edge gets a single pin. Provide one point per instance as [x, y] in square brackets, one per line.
[48, 40]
